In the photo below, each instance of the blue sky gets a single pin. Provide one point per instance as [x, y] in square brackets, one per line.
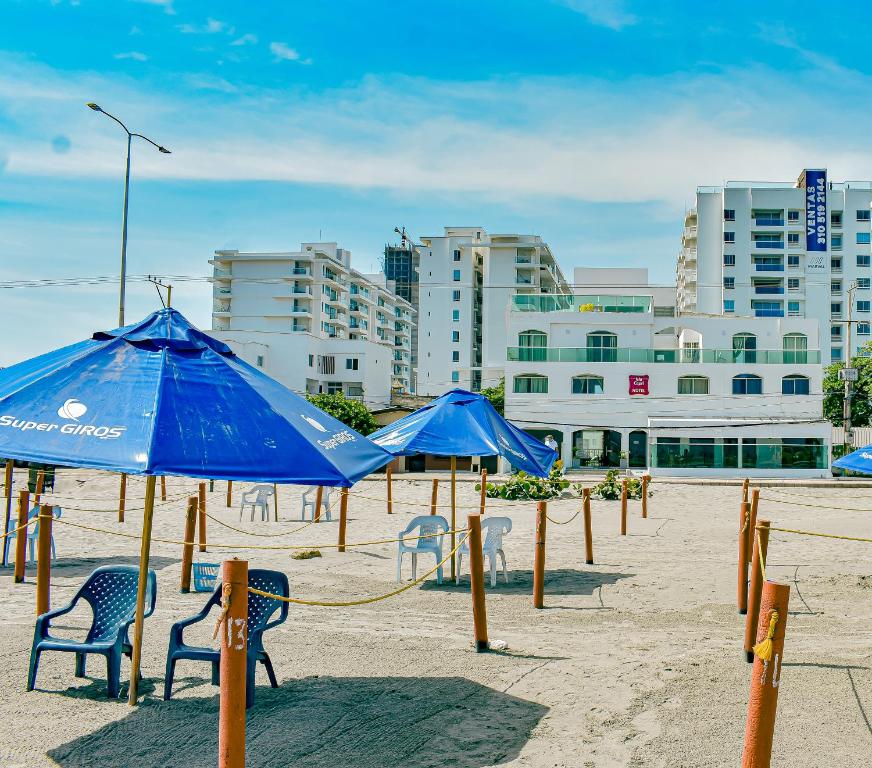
[589, 123]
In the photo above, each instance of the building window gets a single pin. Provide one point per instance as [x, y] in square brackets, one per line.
[793, 309]
[729, 283]
[835, 354]
[836, 308]
[793, 217]
[260, 361]
[456, 276]
[836, 242]
[455, 315]
[587, 385]
[311, 360]
[863, 259]
[794, 385]
[795, 349]
[792, 239]
[835, 286]
[457, 254]
[792, 259]
[729, 214]
[863, 214]
[455, 377]
[352, 363]
[864, 238]
[836, 332]
[836, 264]
[693, 385]
[729, 306]
[862, 329]
[455, 295]
[729, 237]
[602, 347]
[532, 345]
[729, 259]
[455, 356]
[793, 284]
[744, 348]
[863, 283]
[747, 384]
[784, 453]
[455, 336]
[863, 306]
[531, 383]
[836, 218]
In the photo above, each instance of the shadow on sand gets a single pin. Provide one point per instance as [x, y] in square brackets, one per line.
[558, 581]
[324, 722]
[70, 567]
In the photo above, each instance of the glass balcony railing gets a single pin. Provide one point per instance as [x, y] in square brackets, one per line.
[768, 221]
[648, 355]
[768, 244]
[768, 289]
[764, 267]
[581, 303]
[768, 313]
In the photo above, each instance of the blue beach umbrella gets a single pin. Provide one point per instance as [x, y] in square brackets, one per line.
[857, 461]
[160, 397]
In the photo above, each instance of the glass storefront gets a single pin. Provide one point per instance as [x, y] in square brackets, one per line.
[724, 453]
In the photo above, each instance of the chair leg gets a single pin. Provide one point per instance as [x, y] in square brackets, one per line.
[34, 664]
[269, 670]
[113, 674]
[168, 678]
[459, 566]
[30, 550]
[399, 567]
[80, 664]
[439, 569]
[493, 569]
[414, 565]
[216, 673]
[249, 681]
[505, 572]
[54, 554]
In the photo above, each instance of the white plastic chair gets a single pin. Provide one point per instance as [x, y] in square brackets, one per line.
[424, 525]
[257, 496]
[310, 496]
[492, 530]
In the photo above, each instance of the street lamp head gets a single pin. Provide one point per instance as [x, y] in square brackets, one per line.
[164, 150]
[95, 107]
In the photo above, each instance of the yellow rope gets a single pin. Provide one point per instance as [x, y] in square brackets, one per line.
[822, 535]
[564, 522]
[366, 600]
[15, 530]
[262, 535]
[763, 649]
[816, 506]
[747, 520]
[760, 555]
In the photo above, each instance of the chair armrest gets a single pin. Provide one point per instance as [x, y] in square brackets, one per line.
[44, 619]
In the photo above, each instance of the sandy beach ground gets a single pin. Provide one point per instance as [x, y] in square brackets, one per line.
[636, 660]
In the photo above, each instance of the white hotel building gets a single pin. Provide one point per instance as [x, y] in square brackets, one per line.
[618, 381]
[744, 253]
[313, 323]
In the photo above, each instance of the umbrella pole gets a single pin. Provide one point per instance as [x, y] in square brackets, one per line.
[140, 589]
[9, 483]
[453, 517]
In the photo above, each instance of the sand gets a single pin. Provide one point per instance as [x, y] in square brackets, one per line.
[635, 661]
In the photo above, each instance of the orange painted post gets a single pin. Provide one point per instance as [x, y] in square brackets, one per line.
[624, 507]
[539, 556]
[188, 546]
[588, 534]
[758, 562]
[319, 497]
[234, 641]
[21, 535]
[201, 506]
[752, 524]
[645, 481]
[434, 496]
[343, 517]
[483, 495]
[40, 484]
[476, 583]
[766, 676]
[122, 497]
[43, 560]
[389, 476]
[229, 493]
[742, 582]
[163, 488]
[276, 501]
[9, 480]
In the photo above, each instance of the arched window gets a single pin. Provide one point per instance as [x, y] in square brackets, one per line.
[602, 347]
[532, 345]
[693, 385]
[587, 385]
[747, 384]
[794, 385]
[531, 383]
[745, 348]
[795, 346]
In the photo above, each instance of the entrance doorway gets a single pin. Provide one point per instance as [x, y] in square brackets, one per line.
[638, 449]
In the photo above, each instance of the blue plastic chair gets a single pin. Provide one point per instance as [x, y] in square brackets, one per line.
[111, 592]
[31, 536]
[260, 611]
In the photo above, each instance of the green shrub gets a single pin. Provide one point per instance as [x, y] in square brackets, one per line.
[610, 488]
[524, 486]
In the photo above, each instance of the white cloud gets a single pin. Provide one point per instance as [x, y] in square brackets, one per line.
[135, 55]
[211, 27]
[167, 5]
[283, 52]
[247, 39]
[604, 13]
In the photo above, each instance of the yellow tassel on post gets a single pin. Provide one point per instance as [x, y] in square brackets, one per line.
[763, 649]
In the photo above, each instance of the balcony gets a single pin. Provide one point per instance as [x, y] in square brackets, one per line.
[768, 221]
[768, 290]
[581, 303]
[524, 280]
[775, 244]
[673, 356]
[301, 271]
[769, 313]
[221, 274]
[764, 267]
[301, 289]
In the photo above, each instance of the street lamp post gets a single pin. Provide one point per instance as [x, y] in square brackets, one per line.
[130, 135]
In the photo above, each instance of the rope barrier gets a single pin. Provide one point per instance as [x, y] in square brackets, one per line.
[366, 600]
[816, 506]
[822, 535]
[760, 554]
[564, 522]
[263, 535]
[525, 503]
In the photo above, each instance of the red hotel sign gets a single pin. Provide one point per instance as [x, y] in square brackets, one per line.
[639, 385]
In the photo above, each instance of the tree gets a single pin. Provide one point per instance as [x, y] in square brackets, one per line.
[352, 413]
[834, 391]
[497, 396]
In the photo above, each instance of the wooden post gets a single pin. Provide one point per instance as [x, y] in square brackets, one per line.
[389, 477]
[766, 677]
[752, 524]
[122, 497]
[21, 535]
[588, 534]
[745, 484]
[539, 556]
[319, 497]
[43, 560]
[624, 507]
[343, 517]
[761, 548]
[483, 494]
[453, 517]
[9, 479]
[742, 582]
[163, 488]
[476, 583]
[40, 484]
[188, 546]
[434, 496]
[276, 501]
[234, 641]
[139, 615]
[201, 494]
[229, 493]
[645, 480]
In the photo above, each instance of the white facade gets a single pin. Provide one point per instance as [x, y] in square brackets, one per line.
[744, 253]
[466, 280]
[313, 322]
[712, 395]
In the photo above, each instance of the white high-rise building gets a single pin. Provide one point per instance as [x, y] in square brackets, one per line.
[466, 281]
[783, 249]
[313, 322]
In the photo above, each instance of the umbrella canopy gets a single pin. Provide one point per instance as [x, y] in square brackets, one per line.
[461, 423]
[160, 397]
[858, 461]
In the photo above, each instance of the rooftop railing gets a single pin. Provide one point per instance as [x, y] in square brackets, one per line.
[650, 355]
[580, 303]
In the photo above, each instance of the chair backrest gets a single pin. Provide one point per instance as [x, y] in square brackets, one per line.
[56, 513]
[260, 608]
[111, 592]
[494, 528]
[428, 524]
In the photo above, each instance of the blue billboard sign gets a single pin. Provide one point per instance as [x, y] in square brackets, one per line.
[816, 211]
